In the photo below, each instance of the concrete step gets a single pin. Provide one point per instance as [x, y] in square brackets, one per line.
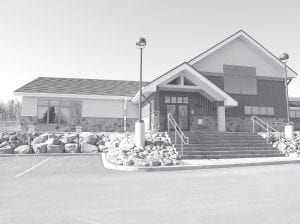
[231, 152]
[229, 156]
[223, 148]
[221, 144]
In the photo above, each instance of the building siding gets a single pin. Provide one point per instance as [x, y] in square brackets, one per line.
[270, 92]
[240, 52]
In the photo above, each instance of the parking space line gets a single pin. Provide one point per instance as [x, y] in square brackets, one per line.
[84, 220]
[26, 171]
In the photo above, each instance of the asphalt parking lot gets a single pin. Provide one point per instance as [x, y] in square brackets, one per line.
[78, 189]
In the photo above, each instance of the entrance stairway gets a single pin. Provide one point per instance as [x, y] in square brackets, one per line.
[224, 145]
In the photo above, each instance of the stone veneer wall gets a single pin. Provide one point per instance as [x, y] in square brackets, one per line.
[237, 124]
[87, 124]
[97, 124]
[233, 124]
[209, 124]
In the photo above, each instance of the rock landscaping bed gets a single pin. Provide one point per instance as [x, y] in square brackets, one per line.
[18, 142]
[288, 148]
[158, 151]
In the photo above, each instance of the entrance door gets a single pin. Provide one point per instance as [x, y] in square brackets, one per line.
[180, 113]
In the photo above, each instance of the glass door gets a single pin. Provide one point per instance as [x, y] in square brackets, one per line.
[180, 114]
[171, 108]
[183, 116]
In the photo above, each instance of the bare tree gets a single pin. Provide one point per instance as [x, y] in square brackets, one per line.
[10, 110]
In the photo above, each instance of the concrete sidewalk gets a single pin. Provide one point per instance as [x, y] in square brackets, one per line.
[242, 161]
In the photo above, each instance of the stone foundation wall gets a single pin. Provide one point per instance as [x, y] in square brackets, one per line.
[87, 124]
[233, 124]
[107, 124]
[237, 124]
[209, 124]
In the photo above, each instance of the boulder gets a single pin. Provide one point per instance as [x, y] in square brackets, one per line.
[22, 137]
[69, 138]
[155, 163]
[3, 144]
[6, 150]
[55, 149]
[53, 141]
[282, 146]
[90, 139]
[71, 148]
[102, 148]
[12, 138]
[22, 149]
[39, 148]
[5, 137]
[40, 139]
[88, 148]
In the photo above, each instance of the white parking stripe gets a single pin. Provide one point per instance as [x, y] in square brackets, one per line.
[84, 220]
[26, 171]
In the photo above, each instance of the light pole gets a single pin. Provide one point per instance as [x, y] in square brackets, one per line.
[284, 57]
[288, 129]
[139, 125]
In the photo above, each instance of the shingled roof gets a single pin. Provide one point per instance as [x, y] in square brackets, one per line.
[81, 86]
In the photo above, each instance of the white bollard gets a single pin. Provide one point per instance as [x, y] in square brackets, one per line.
[140, 133]
[289, 132]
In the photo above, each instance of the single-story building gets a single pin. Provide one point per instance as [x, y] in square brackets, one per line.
[218, 90]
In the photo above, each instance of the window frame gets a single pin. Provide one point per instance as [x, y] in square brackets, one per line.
[59, 105]
[257, 110]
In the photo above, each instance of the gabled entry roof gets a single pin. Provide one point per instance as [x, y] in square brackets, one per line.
[199, 83]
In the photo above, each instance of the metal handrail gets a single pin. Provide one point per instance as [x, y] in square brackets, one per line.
[178, 131]
[268, 128]
[261, 123]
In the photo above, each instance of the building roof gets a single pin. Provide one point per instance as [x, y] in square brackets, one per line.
[81, 86]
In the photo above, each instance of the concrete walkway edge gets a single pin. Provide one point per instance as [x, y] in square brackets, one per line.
[111, 166]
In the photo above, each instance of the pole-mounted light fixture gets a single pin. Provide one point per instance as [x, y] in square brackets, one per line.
[284, 57]
[139, 125]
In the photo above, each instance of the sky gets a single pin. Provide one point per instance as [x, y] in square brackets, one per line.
[96, 38]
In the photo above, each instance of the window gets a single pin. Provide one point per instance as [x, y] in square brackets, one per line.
[173, 99]
[167, 99]
[54, 112]
[240, 79]
[270, 110]
[179, 99]
[254, 110]
[295, 113]
[176, 99]
[186, 100]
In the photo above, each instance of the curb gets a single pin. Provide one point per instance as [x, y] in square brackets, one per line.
[111, 166]
[51, 154]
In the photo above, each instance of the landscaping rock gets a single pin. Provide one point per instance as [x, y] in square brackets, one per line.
[102, 148]
[6, 150]
[40, 139]
[88, 148]
[156, 163]
[39, 148]
[53, 141]
[71, 148]
[22, 149]
[69, 138]
[3, 144]
[55, 149]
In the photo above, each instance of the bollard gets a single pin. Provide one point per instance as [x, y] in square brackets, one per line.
[29, 144]
[78, 145]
